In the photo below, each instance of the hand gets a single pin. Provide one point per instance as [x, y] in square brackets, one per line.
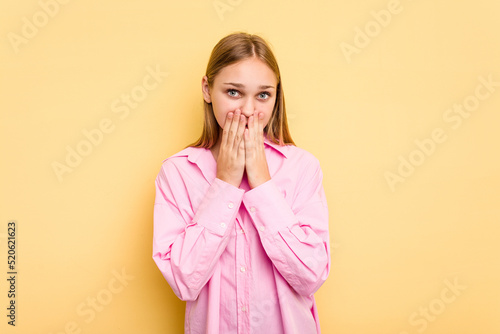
[255, 157]
[231, 156]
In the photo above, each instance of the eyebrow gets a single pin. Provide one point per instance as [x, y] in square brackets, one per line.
[243, 86]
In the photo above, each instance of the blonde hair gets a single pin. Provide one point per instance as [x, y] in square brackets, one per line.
[229, 50]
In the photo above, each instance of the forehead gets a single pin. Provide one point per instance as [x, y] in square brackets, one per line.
[251, 71]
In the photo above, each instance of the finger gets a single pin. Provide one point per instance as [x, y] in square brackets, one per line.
[246, 134]
[251, 126]
[239, 134]
[247, 138]
[227, 125]
[233, 129]
[243, 144]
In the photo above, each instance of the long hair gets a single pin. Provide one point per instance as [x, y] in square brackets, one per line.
[231, 49]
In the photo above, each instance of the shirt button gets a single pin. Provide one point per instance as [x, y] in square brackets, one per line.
[242, 231]
[243, 309]
[243, 269]
[223, 225]
[252, 209]
[230, 205]
[262, 228]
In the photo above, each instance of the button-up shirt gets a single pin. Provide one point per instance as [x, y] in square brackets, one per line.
[244, 260]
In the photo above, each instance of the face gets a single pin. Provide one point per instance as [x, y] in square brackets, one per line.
[248, 85]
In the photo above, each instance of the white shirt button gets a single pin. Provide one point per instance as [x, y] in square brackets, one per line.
[243, 269]
[243, 309]
[242, 231]
[262, 228]
[223, 225]
[230, 205]
[252, 209]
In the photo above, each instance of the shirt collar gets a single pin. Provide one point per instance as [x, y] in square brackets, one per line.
[280, 148]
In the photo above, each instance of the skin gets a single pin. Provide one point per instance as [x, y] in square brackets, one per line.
[242, 96]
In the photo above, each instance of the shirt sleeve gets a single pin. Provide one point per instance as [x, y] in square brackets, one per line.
[295, 236]
[187, 247]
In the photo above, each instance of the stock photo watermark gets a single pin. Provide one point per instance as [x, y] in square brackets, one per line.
[12, 273]
[427, 146]
[430, 311]
[31, 26]
[223, 6]
[363, 36]
[87, 310]
[121, 106]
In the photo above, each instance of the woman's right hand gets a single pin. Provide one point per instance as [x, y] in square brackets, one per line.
[231, 156]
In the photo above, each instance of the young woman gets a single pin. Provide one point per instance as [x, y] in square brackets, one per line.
[240, 216]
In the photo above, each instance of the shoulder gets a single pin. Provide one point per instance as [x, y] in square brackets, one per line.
[181, 160]
[298, 164]
[179, 156]
[304, 165]
[291, 153]
[299, 156]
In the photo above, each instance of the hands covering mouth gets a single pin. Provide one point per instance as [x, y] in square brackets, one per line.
[242, 149]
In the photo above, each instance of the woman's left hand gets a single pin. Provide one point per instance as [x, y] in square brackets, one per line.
[255, 157]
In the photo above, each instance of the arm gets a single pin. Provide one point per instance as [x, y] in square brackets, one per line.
[295, 237]
[185, 249]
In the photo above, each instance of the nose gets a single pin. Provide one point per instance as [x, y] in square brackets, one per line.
[248, 108]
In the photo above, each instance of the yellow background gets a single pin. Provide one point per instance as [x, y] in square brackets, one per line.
[395, 249]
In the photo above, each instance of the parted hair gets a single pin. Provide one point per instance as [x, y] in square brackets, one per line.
[229, 50]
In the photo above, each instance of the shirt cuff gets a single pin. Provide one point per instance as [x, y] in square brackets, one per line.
[268, 208]
[219, 207]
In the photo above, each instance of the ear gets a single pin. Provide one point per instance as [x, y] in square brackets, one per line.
[205, 89]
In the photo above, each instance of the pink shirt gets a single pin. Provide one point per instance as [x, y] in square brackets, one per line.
[245, 260]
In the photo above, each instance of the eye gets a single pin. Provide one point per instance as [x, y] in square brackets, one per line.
[233, 92]
[264, 95]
